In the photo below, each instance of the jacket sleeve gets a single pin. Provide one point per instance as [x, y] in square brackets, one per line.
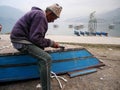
[38, 29]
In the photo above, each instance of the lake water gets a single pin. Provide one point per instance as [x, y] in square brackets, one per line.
[63, 29]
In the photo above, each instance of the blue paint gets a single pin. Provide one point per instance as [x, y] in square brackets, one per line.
[82, 72]
[74, 65]
[18, 73]
[18, 59]
[80, 59]
[70, 54]
[21, 59]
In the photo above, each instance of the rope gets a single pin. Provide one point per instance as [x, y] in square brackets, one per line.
[57, 78]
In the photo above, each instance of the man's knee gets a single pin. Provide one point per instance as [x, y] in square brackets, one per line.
[46, 59]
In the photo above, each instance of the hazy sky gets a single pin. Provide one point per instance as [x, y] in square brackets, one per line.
[71, 8]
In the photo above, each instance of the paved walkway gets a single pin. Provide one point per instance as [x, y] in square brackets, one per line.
[78, 39]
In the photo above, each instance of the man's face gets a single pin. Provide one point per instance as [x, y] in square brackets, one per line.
[51, 17]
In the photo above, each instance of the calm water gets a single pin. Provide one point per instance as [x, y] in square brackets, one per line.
[63, 29]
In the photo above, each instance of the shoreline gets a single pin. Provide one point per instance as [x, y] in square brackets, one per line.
[85, 39]
[97, 40]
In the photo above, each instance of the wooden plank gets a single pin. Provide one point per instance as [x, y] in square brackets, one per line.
[63, 67]
[82, 72]
[19, 73]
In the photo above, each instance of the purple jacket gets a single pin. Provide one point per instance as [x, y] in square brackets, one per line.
[32, 27]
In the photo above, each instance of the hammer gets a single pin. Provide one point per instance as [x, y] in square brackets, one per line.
[62, 47]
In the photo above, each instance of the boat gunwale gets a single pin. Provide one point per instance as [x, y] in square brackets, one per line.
[48, 51]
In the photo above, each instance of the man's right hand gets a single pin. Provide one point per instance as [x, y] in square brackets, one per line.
[55, 45]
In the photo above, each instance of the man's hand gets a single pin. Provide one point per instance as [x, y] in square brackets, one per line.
[55, 45]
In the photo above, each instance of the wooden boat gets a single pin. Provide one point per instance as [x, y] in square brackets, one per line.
[17, 66]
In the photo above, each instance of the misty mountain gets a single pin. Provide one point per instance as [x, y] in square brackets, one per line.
[8, 17]
[111, 16]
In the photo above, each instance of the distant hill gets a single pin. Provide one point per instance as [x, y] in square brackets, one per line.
[111, 16]
[8, 17]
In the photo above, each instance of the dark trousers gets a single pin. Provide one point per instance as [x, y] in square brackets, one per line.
[44, 63]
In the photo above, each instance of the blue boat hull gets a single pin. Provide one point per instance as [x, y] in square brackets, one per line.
[22, 67]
